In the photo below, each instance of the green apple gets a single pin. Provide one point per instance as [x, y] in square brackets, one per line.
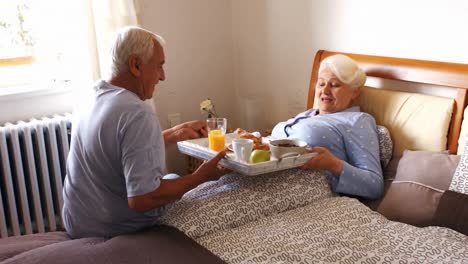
[259, 155]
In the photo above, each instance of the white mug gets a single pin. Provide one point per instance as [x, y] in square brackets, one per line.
[242, 149]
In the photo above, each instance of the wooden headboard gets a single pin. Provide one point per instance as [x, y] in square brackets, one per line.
[444, 74]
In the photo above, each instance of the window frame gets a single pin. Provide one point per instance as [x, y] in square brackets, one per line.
[8, 62]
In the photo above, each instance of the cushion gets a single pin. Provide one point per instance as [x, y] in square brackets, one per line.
[406, 114]
[385, 145]
[421, 179]
[452, 212]
[460, 178]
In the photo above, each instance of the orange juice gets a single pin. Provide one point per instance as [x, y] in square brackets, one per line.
[216, 140]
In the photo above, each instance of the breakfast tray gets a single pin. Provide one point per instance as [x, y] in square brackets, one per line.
[198, 148]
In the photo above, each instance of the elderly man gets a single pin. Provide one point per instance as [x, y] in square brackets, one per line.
[116, 166]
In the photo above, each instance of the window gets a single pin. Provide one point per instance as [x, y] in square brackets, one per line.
[43, 44]
[51, 48]
[17, 41]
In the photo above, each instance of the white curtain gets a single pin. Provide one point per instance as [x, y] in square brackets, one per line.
[106, 18]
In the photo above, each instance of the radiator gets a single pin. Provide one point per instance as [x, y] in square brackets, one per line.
[33, 156]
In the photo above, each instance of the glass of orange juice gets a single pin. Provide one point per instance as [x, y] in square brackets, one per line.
[216, 133]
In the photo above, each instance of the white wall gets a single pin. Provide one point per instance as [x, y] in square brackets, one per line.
[254, 58]
[199, 62]
[275, 42]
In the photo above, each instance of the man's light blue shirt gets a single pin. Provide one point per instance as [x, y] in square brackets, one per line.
[117, 151]
[351, 136]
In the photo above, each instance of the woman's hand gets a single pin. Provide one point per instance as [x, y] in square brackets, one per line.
[324, 160]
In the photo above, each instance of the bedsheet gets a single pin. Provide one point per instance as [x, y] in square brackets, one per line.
[336, 230]
[292, 217]
[236, 199]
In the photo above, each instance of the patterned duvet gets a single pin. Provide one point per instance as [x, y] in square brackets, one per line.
[292, 217]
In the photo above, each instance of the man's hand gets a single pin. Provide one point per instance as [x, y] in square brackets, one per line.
[210, 170]
[325, 160]
[171, 190]
[196, 125]
[184, 131]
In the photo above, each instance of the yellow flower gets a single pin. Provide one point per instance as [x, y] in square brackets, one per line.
[206, 106]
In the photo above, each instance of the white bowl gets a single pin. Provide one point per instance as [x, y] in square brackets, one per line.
[282, 148]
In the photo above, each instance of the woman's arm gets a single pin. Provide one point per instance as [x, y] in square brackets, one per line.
[361, 173]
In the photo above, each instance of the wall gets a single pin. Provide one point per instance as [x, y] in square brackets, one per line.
[199, 61]
[275, 42]
[254, 58]
[34, 105]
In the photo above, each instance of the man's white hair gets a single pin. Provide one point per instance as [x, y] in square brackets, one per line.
[345, 69]
[129, 41]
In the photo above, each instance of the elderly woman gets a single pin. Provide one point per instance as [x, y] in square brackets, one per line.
[344, 138]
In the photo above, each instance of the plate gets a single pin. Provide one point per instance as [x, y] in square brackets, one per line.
[198, 148]
[229, 147]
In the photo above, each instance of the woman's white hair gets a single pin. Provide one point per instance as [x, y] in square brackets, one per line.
[345, 69]
[129, 41]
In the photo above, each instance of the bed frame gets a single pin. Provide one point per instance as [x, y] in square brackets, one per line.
[445, 74]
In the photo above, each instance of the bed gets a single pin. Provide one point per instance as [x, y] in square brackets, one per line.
[292, 216]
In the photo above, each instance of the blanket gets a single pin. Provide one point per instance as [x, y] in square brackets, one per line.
[292, 217]
[236, 199]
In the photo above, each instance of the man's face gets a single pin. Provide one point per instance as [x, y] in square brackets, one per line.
[152, 72]
[332, 94]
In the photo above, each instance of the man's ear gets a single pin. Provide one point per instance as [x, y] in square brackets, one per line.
[134, 64]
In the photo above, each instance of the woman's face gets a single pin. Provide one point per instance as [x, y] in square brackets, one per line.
[331, 94]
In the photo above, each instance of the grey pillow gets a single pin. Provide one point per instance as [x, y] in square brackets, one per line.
[460, 178]
[385, 145]
[421, 179]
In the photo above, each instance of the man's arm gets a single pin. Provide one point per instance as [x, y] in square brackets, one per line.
[171, 190]
[184, 131]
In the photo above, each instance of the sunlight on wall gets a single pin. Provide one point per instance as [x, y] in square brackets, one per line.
[198, 61]
[276, 41]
